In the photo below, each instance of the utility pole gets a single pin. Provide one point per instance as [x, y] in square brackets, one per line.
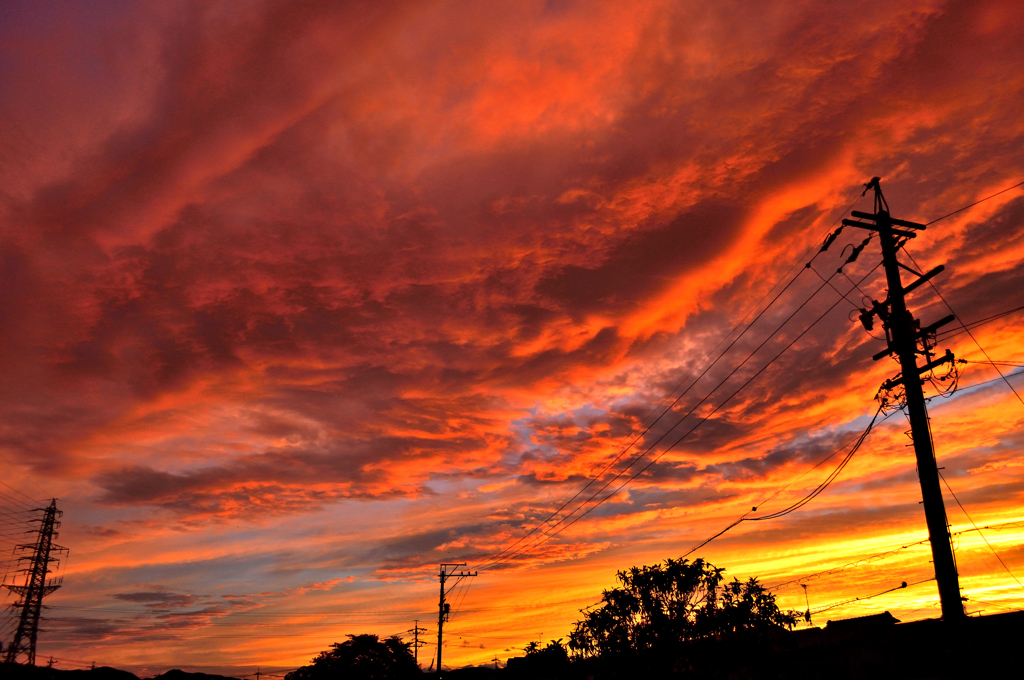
[904, 335]
[417, 643]
[443, 607]
[36, 586]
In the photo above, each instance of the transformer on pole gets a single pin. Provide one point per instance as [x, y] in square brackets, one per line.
[23, 647]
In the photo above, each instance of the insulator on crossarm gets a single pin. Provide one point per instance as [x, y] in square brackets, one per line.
[855, 253]
[830, 239]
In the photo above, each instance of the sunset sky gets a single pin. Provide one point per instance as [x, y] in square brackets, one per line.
[301, 299]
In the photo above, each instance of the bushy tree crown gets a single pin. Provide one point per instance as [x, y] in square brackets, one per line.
[361, 657]
[658, 607]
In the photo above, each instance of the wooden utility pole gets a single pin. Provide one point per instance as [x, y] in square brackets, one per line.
[443, 607]
[906, 339]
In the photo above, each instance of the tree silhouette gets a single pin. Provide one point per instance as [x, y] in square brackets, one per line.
[361, 657]
[554, 652]
[657, 608]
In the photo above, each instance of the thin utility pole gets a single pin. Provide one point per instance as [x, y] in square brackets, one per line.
[906, 339]
[23, 647]
[417, 643]
[443, 607]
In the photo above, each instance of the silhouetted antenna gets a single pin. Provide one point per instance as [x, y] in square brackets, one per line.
[905, 340]
[23, 647]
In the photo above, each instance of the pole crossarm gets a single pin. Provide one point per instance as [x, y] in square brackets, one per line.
[875, 227]
[892, 220]
[898, 380]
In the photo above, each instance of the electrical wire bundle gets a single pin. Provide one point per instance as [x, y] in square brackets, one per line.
[601, 488]
[598, 490]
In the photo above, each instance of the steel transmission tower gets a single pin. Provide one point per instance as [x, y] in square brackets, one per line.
[906, 339]
[23, 647]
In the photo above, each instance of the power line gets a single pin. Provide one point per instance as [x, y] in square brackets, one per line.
[975, 324]
[966, 329]
[803, 501]
[997, 605]
[27, 497]
[690, 412]
[715, 410]
[18, 514]
[830, 237]
[964, 510]
[984, 382]
[704, 419]
[884, 554]
[394, 612]
[834, 605]
[494, 560]
[15, 503]
[995, 363]
[960, 210]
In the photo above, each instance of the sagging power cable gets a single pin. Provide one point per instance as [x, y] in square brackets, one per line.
[704, 419]
[551, 533]
[802, 501]
[829, 239]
